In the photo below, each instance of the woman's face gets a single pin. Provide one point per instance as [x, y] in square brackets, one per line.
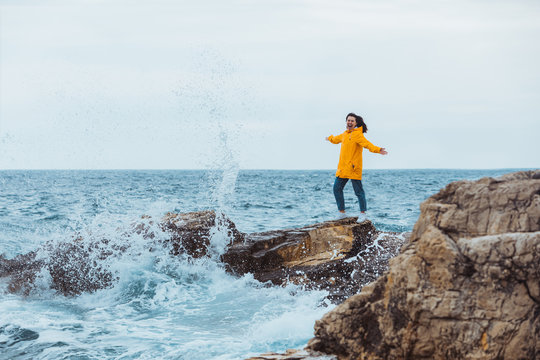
[351, 122]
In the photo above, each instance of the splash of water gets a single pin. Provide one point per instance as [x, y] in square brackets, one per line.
[217, 95]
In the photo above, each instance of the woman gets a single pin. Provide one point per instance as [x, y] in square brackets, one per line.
[353, 143]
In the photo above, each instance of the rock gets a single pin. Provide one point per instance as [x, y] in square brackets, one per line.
[21, 271]
[466, 286]
[190, 233]
[81, 265]
[294, 354]
[339, 256]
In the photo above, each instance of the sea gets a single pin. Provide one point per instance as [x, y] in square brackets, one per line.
[166, 307]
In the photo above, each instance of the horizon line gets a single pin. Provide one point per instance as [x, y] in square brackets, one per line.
[251, 169]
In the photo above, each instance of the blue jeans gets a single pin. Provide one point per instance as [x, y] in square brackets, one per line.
[339, 184]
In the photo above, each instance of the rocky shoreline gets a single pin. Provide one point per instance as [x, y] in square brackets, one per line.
[466, 285]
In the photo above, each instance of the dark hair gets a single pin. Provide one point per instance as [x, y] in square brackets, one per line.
[359, 121]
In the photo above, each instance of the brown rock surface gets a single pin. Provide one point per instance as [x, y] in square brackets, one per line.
[190, 233]
[466, 286]
[294, 354]
[339, 256]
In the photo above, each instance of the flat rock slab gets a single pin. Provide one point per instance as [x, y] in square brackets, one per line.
[339, 256]
[295, 354]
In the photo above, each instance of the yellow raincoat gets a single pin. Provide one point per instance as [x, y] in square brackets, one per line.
[350, 157]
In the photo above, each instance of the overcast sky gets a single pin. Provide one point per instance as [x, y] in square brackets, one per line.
[259, 84]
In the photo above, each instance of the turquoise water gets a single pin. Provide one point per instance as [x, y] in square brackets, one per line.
[175, 308]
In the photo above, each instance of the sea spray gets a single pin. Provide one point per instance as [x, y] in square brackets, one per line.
[376, 253]
[223, 195]
[215, 95]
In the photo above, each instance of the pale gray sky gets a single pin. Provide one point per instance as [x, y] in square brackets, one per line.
[259, 84]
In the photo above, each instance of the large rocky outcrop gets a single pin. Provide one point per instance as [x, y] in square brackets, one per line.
[466, 286]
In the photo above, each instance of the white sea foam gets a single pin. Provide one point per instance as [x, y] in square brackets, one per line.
[189, 308]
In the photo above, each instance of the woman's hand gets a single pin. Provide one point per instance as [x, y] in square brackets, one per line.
[383, 151]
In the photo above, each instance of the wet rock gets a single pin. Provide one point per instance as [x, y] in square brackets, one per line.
[294, 354]
[190, 233]
[82, 265]
[466, 286]
[21, 271]
[339, 256]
